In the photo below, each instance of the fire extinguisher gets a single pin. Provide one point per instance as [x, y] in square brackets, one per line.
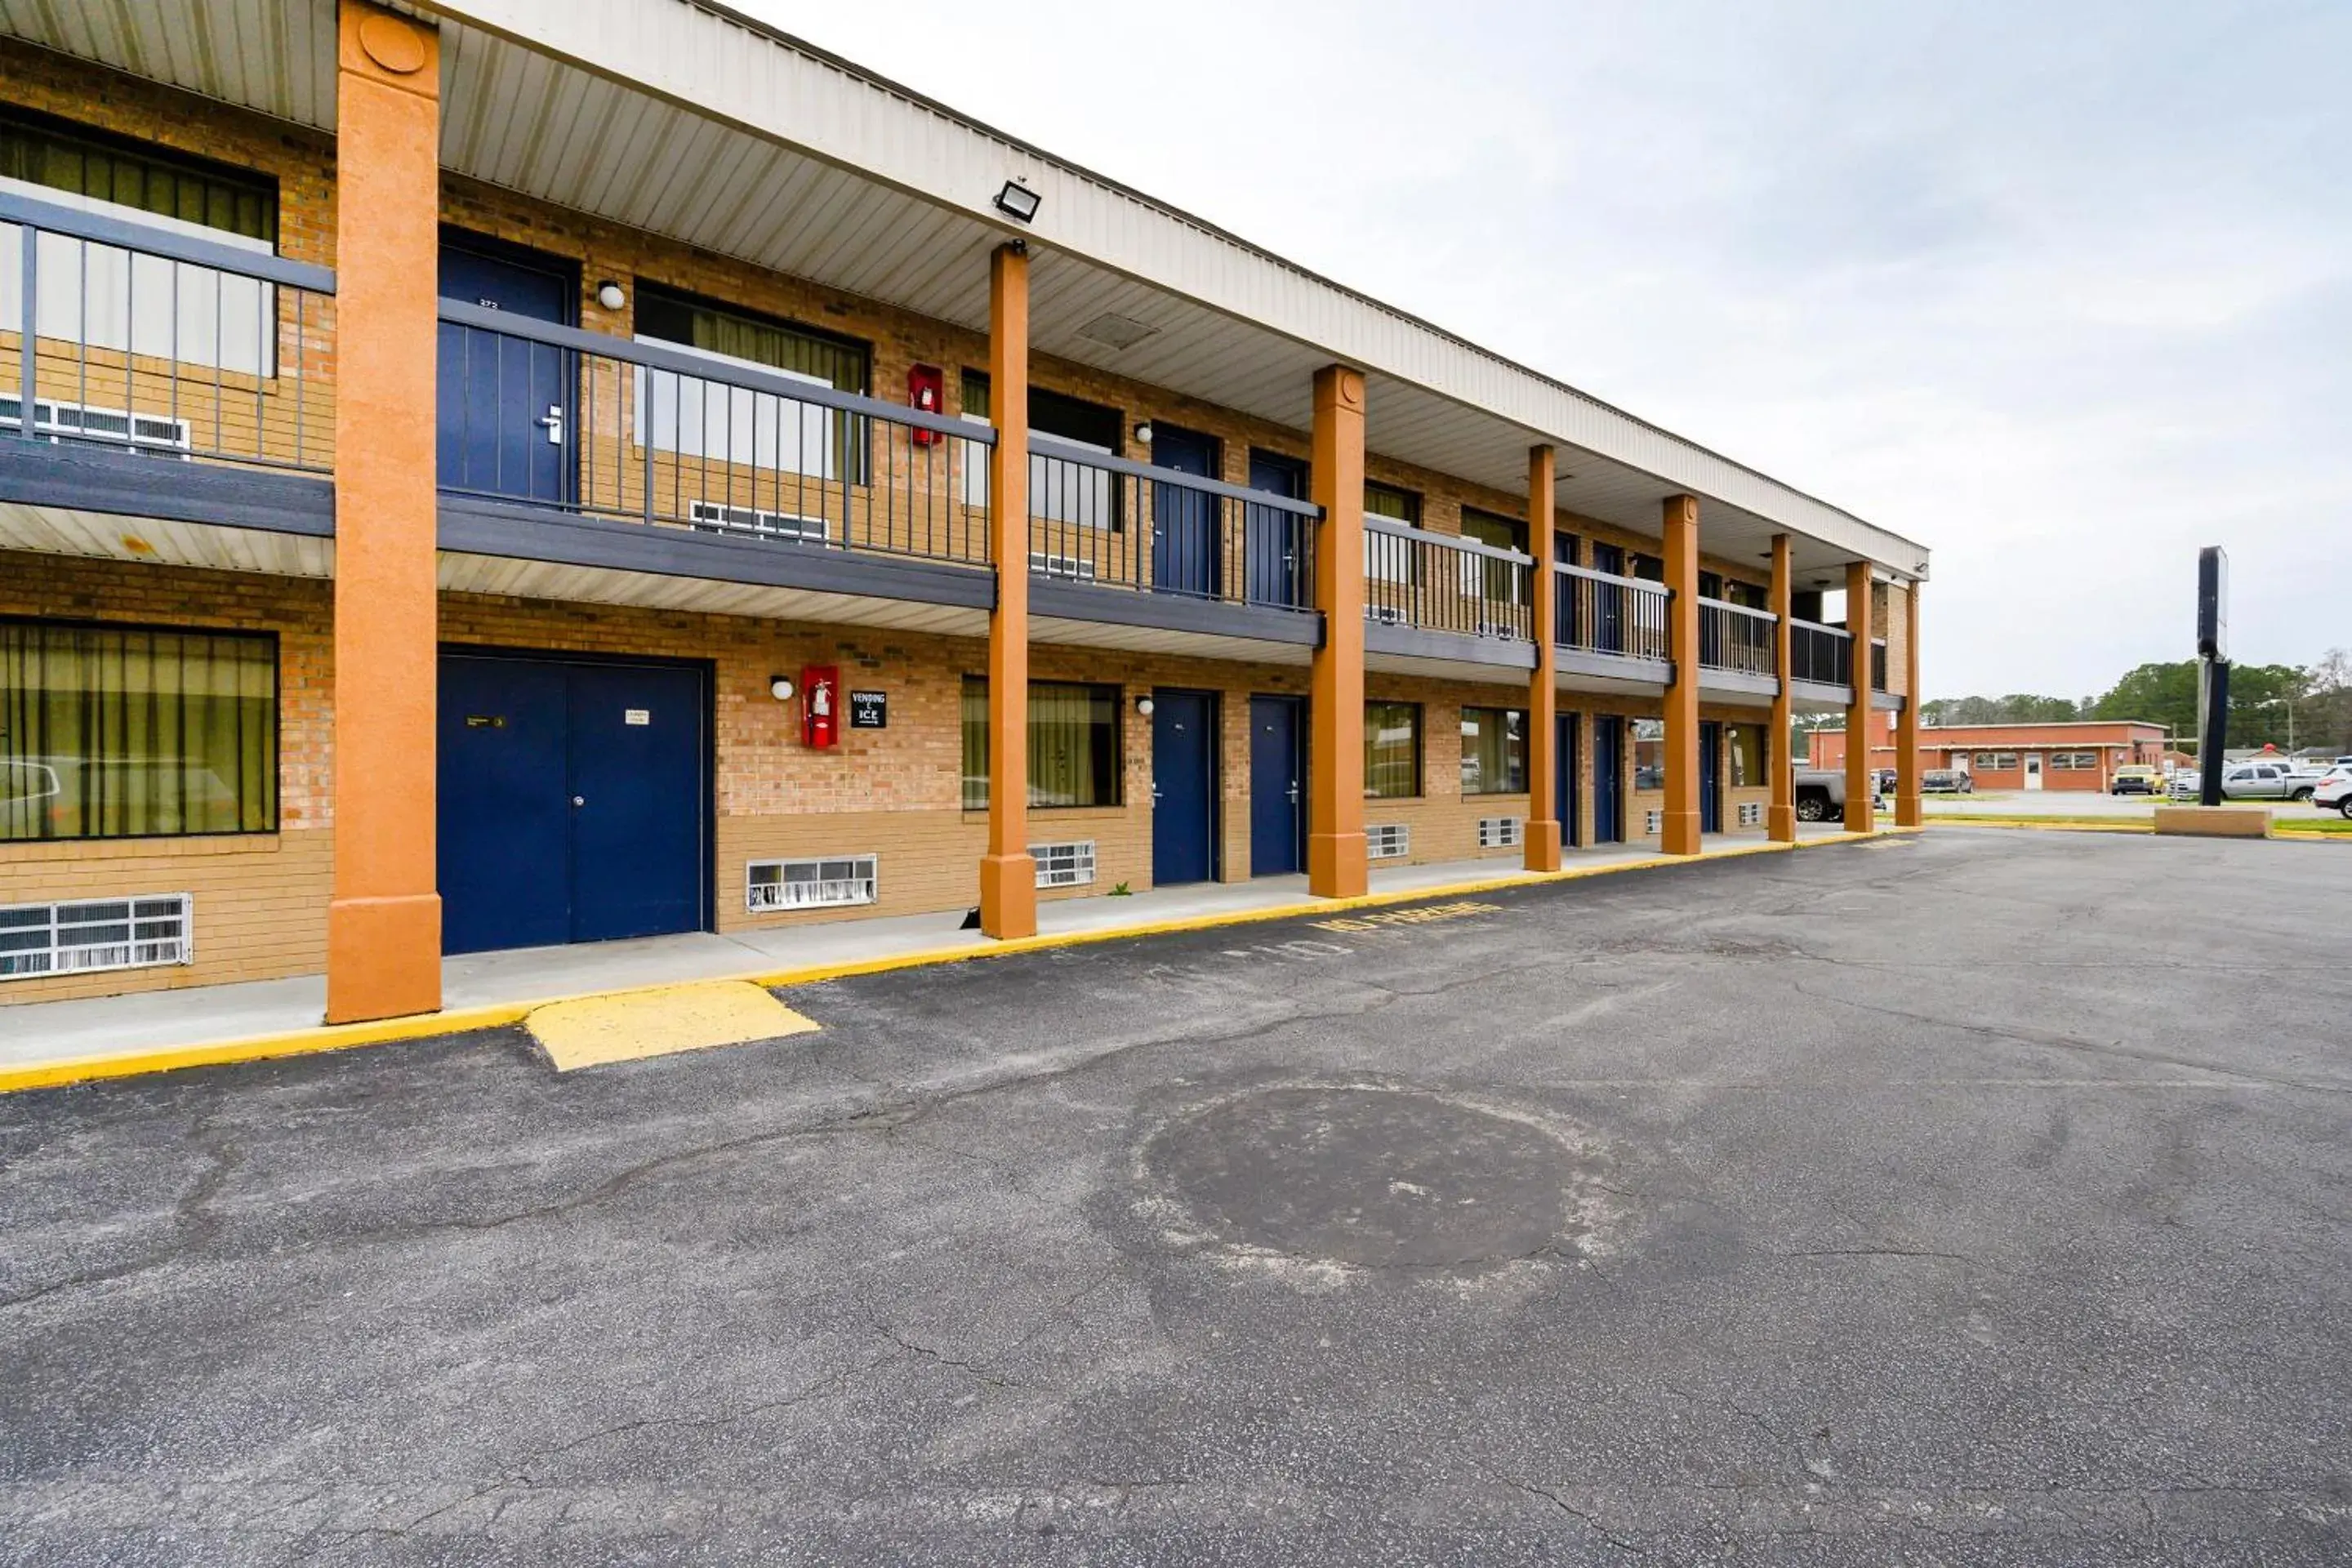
[926, 394]
[821, 705]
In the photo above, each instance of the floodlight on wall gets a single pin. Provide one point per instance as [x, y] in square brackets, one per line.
[1143, 433]
[1018, 201]
[611, 295]
[1144, 705]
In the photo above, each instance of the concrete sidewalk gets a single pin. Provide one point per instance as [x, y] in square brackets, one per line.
[54, 1042]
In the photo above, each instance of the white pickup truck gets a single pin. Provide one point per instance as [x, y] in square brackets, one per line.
[2269, 780]
[1820, 794]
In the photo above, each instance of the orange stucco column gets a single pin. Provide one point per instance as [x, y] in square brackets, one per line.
[1543, 834]
[1008, 877]
[1336, 866]
[1780, 816]
[1909, 811]
[383, 921]
[1859, 817]
[1678, 828]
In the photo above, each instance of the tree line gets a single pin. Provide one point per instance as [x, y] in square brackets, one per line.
[2269, 703]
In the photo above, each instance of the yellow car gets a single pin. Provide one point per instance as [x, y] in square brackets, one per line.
[2136, 781]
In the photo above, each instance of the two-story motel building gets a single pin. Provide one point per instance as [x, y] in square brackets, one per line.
[513, 472]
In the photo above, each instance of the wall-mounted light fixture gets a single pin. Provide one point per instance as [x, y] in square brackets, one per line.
[781, 688]
[1018, 201]
[1143, 705]
[1143, 432]
[611, 295]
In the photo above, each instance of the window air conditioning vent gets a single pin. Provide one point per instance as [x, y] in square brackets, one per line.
[770, 885]
[714, 517]
[1388, 841]
[1064, 865]
[142, 932]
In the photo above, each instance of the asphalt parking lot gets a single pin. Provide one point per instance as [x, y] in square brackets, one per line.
[1962, 1198]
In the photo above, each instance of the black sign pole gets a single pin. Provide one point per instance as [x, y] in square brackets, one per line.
[2214, 723]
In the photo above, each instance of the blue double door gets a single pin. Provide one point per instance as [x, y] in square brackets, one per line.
[506, 404]
[575, 800]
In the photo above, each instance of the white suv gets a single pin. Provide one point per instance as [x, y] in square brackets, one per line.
[2335, 793]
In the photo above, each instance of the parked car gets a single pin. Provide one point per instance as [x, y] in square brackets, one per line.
[1947, 781]
[2134, 780]
[2335, 793]
[1820, 794]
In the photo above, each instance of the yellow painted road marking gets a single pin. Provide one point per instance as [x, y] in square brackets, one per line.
[658, 1022]
[1408, 917]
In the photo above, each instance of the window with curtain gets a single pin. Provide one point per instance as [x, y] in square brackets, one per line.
[1074, 743]
[131, 732]
[1649, 753]
[1493, 579]
[708, 419]
[1745, 754]
[1387, 558]
[111, 299]
[1060, 491]
[1494, 751]
[1391, 751]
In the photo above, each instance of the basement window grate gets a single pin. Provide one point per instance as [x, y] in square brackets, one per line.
[1501, 832]
[1070, 865]
[1388, 841]
[825, 884]
[143, 931]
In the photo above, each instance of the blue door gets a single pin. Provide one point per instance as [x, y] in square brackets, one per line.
[1609, 602]
[1183, 522]
[638, 740]
[573, 801]
[1710, 776]
[1277, 786]
[1277, 559]
[506, 404]
[1566, 791]
[1183, 787]
[504, 835]
[1607, 779]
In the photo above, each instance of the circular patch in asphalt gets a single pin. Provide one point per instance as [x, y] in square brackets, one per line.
[1372, 1178]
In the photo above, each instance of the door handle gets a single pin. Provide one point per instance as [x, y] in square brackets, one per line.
[1294, 794]
[552, 423]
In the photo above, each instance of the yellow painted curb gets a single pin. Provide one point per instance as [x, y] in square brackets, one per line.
[466, 1020]
[660, 1021]
[262, 1048]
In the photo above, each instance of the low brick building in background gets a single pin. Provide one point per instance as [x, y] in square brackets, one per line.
[2081, 755]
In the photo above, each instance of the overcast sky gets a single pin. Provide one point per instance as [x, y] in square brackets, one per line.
[2062, 290]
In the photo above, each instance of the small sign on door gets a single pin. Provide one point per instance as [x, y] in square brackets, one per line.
[869, 709]
[636, 715]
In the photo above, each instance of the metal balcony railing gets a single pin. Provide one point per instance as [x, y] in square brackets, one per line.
[165, 344]
[1599, 612]
[1095, 518]
[1736, 638]
[1878, 664]
[1823, 655]
[659, 434]
[1437, 582]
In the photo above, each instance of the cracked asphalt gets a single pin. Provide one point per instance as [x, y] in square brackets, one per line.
[1970, 1199]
